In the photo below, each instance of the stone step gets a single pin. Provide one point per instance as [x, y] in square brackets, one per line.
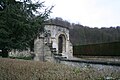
[60, 57]
[49, 44]
[53, 50]
[55, 54]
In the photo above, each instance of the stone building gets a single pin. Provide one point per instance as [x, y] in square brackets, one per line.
[54, 39]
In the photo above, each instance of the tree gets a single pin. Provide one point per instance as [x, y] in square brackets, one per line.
[19, 24]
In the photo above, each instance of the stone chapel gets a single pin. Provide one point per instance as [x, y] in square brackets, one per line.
[55, 40]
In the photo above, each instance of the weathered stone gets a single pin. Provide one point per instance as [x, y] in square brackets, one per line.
[58, 37]
[17, 53]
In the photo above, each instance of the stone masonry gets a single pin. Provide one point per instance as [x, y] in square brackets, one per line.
[55, 38]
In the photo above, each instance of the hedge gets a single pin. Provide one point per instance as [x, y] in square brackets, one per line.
[103, 49]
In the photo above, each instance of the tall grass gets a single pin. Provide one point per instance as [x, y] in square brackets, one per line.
[14, 69]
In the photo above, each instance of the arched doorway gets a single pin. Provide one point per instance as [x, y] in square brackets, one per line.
[61, 44]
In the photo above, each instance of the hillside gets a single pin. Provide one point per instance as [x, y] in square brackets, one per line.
[82, 35]
[14, 69]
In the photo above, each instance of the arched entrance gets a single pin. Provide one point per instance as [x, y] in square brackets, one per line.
[61, 44]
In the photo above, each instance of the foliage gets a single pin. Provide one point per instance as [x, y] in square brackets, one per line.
[103, 49]
[59, 21]
[89, 35]
[19, 24]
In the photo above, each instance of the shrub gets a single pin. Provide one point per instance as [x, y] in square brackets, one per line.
[103, 49]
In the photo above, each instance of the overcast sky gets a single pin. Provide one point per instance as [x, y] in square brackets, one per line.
[93, 13]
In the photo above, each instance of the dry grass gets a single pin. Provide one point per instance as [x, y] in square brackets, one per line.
[11, 69]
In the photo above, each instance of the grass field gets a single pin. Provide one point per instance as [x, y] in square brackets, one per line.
[16, 69]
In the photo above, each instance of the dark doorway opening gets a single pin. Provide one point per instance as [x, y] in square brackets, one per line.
[61, 44]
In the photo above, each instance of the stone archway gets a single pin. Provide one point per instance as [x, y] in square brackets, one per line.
[61, 43]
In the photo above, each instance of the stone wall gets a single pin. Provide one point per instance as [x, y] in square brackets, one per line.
[56, 31]
[17, 53]
[42, 52]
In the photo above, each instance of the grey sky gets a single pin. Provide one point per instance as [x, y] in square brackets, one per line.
[93, 13]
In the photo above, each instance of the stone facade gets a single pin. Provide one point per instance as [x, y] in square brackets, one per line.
[58, 38]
